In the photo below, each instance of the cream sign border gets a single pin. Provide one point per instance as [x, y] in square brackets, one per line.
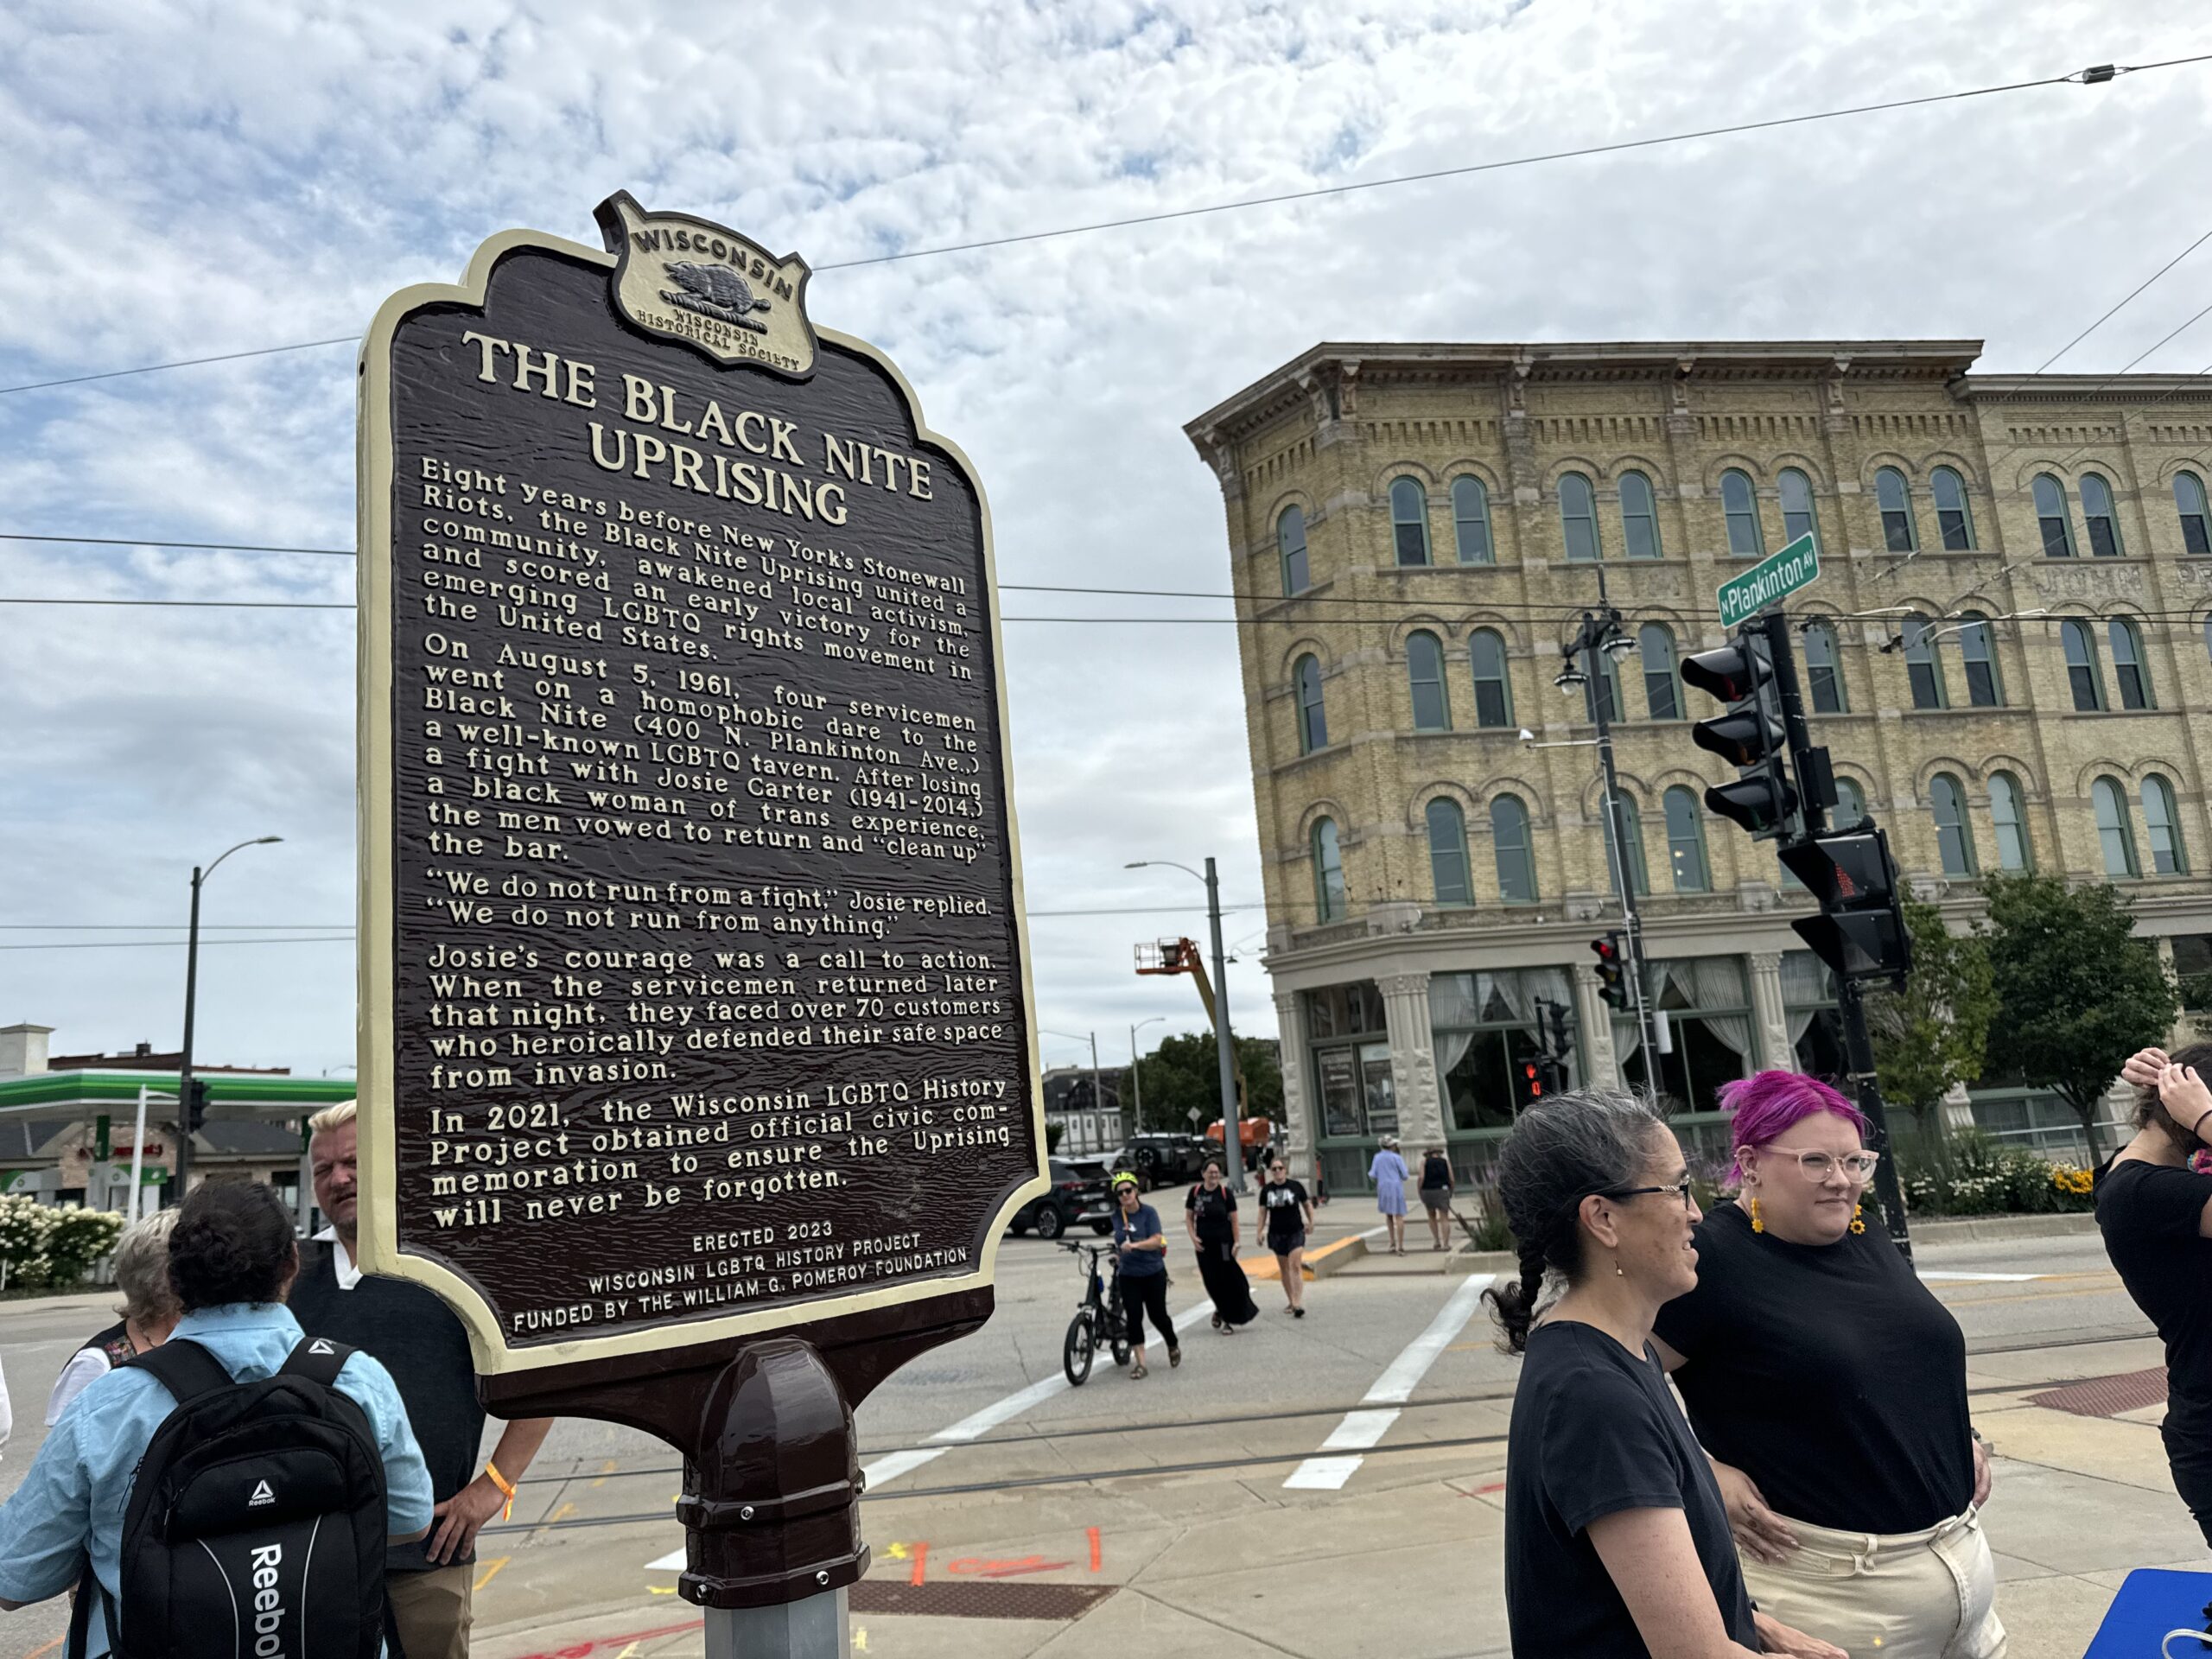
[380, 1251]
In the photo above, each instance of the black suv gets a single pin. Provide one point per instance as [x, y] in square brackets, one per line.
[1078, 1194]
[1165, 1159]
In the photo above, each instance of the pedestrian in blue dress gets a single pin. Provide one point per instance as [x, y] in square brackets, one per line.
[1389, 1174]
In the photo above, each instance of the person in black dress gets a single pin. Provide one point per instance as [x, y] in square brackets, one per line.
[1211, 1214]
[1617, 1542]
[2155, 1211]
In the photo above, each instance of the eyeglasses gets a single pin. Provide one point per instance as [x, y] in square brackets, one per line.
[1680, 1189]
[1857, 1166]
[1278, 1169]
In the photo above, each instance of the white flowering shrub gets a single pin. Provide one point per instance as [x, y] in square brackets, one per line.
[48, 1246]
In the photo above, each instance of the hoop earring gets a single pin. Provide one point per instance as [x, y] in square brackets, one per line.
[1758, 1225]
[1858, 1218]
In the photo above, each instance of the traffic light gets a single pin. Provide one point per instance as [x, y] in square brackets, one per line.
[195, 1105]
[1750, 736]
[1860, 930]
[1612, 971]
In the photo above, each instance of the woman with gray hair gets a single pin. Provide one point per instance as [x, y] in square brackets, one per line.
[149, 1312]
[1617, 1540]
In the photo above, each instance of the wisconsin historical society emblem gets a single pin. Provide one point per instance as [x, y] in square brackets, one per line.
[722, 293]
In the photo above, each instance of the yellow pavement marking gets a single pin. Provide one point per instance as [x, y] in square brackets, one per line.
[490, 1571]
[605, 1470]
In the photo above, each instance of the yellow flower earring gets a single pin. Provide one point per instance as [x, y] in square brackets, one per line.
[1758, 1225]
[1858, 1217]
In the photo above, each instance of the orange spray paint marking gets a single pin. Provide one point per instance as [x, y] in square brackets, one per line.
[1094, 1549]
[921, 1563]
[972, 1567]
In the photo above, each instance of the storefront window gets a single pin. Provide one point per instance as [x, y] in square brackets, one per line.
[1808, 1009]
[1487, 1027]
[1708, 1009]
[1351, 1061]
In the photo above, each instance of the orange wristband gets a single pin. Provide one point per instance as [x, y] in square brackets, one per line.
[507, 1487]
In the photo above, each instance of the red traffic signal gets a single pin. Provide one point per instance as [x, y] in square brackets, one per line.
[1612, 970]
[1532, 1079]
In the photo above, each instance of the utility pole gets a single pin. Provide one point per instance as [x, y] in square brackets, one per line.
[1232, 1130]
[1097, 1095]
[1602, 632]
[188, 1107]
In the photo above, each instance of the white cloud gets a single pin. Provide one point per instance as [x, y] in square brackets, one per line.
[187, 179]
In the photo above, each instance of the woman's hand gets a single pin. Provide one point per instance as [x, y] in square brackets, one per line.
[2184, 1095]
[1777, 1638]
[1983, 1479]
[2142, 1069]
[1759, 1531]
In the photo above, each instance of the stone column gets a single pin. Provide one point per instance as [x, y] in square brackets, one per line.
[1297, 1069]
[1601, 1067]
[1413, 1057]
[1776, 1052]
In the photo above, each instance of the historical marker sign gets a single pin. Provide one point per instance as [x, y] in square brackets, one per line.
[693, 980]
[1772, 579]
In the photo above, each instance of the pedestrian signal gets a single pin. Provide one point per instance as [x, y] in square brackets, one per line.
[1860, 930]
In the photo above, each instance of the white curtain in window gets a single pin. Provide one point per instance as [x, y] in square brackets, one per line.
[1805, 986]
[1457, 1003]
[1709, 982]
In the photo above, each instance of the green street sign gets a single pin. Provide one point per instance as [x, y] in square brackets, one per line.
[1797, 565]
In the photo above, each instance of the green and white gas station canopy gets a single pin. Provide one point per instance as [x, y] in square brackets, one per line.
[115, 1094]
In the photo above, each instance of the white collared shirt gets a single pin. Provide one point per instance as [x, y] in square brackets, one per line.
[341, 1261]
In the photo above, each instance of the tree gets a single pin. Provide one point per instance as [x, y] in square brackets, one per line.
[1934, 1033]
[2078, 992]
[1183, 1075]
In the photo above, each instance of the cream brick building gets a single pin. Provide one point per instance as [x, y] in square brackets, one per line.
[1414, 530]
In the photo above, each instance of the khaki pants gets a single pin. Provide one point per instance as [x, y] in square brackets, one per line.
[432, 1611]
[1915, 1595]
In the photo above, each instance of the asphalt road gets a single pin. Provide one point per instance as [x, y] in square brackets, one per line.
[1352, 1398]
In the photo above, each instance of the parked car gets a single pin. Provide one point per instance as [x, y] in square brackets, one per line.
[1078, 1194]
[1164, 1158]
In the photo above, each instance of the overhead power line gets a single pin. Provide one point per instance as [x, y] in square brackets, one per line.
[130, 945]
[2091, 77]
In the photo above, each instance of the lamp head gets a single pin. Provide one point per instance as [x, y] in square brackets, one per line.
[1571, 679]
[1620, 647]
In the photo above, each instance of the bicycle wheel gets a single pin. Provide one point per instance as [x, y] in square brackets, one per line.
[1076, 1351]
[1119, 1346]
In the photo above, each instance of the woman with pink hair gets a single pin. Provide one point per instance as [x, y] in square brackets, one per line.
[1829, 1389]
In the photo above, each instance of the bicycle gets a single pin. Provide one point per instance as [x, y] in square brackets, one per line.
[1098, 1318]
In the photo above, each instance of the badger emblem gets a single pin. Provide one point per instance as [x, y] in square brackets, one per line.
[715, 291]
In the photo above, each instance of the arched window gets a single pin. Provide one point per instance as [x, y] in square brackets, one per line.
[1578, 516]
[2051, 515]
[2196, 520]
[1954, 518]
[2163, 825]
[1425, 668]
[1447, 852]
[1946, 803]
[2081, 677]
[1739, 502]
[1313, 719]
[1328, 872]
[1686, 840]
[1850, 802]
[1656, 646]
[1631, 844]
[1824, 671]
[1899, 533]
[2207, 637]
[2129, 672]
[1290, 539]
[1409, 520]
[1493, 688]
[2009, 816]
[2097, 513]
[1639, 517]
[1516, 853]
[1978, 647]
[1797, 519]
[2115, 834]
[1923, 668]
[1470, 521]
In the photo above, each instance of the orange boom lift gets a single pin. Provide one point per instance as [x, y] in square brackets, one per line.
[1181, 956]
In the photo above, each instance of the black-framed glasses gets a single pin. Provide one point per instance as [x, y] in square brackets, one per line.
[1680, 1189]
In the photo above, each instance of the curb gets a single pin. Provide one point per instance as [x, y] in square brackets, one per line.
[1975, 1230]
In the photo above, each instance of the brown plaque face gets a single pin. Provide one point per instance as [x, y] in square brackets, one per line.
[693, 987]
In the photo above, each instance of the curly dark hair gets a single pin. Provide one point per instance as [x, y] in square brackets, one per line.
[1563, 1149]
[232, 1243]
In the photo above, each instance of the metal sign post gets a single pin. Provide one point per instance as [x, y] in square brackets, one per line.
[698, 1069]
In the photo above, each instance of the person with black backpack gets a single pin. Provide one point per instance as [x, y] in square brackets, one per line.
[228, 1495]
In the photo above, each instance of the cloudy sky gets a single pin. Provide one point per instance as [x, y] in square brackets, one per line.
[182, 180]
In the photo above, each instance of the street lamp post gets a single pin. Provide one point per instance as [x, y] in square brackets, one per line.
[1136, 1083]
[1232, 1143]
[191, 996]
[1097, 1100]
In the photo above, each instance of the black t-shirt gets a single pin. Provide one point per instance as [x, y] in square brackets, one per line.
[417, 1338]
[1213, 1210]
[1434, 1171]
[2150, 1214]
[1284, 1201]
[1827, 1373]
[1595, 1433]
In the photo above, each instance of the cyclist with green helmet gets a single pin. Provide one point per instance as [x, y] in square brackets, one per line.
[1141, 1247]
